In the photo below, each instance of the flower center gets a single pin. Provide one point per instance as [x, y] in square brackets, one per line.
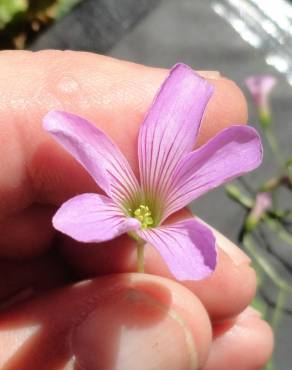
[143, 214]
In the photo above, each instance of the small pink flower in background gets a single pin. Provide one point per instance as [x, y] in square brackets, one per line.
[262, 203]
[172, 174]
[260, 87]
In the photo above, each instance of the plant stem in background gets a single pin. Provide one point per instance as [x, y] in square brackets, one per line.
[270, 366]
[276, 319]
[272, 141]
[234, 193]
[265, 265]
[278, 228]
[278, 309]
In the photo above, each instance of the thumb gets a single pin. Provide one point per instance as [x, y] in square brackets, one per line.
[126, 321]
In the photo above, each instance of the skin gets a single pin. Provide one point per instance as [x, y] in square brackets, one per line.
[50, 317]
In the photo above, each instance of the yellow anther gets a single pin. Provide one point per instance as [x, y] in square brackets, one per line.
[149, 220]
[143, 214]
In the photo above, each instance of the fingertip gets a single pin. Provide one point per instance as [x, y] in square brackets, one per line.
[235, 101]
[248, 338]
[124, 321]
[227, 107]
[229, 290]
[164, 327]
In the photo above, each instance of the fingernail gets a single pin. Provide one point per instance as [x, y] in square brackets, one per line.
[131, 332]
[212, 75]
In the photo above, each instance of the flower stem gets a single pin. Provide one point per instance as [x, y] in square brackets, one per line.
[275, 321]
[280, 231]
[265, 265]
[272, 141]
[234, 193]
[270, 366]
[279, 309]
[140, 255]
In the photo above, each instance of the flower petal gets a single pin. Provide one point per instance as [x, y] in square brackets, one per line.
[260, 87]
[171, 126]
[233, 152]
[92, 218]
[188, 248]
[96, 152]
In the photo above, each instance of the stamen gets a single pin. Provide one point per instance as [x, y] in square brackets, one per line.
[143, 214]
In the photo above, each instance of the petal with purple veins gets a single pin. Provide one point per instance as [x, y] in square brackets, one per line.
[92, 218]
[171, 126]
[188, 248]
[231, 153]
[96, 152]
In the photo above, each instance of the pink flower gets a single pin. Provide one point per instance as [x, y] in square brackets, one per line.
[171, 175]
[262, 203]
[260, 87]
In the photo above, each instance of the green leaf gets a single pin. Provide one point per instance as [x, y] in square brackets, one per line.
[234, 193]
[279, 230]
[10, 8]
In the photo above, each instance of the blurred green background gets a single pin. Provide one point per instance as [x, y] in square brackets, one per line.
[21, 20]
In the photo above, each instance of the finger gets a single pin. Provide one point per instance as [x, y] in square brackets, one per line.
[225, 293]
[114, 95]
[28, 233]
[125, 321]
[22, 279]
[247, 344]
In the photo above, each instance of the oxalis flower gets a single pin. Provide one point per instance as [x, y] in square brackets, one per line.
[260, 88]
[262, 203]
[171, 175]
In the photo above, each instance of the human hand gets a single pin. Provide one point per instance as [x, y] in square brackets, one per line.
[118, 319]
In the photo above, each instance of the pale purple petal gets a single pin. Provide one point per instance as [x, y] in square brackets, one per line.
[171, 126]
[92, 218]
[260, 87]
[188, 248]
[231, 153]
[262, 203]
[96, 152]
